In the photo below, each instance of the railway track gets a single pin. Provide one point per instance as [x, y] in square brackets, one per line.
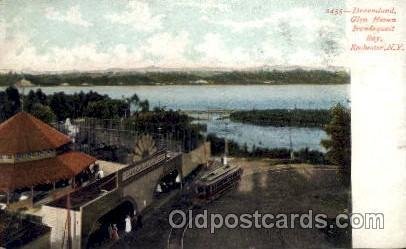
[175, 238]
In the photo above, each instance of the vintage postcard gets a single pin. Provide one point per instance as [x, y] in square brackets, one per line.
[202, 124]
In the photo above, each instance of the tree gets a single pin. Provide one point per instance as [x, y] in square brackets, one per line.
[106, 109]
[339, 144]
[61, 105]
[41, 97]
[29, 101]
[133, 103]
[144, 106]
[33, 98]
[43, 112]
[10, 103]
[3, 102]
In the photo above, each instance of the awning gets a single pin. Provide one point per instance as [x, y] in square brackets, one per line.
[27, 174]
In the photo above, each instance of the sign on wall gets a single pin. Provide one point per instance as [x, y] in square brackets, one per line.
[138, 168]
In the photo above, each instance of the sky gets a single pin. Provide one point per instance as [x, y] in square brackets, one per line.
[54, 35]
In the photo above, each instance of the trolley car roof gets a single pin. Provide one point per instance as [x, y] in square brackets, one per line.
[223, 170]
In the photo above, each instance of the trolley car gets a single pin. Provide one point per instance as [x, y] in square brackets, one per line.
[214, 183]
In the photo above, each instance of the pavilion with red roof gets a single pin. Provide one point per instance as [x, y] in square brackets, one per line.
[33, 153]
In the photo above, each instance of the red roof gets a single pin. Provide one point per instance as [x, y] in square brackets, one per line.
[27, 174]
[24, 133]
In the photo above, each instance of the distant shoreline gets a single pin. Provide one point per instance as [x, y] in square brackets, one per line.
[294, 77]
[180, 84]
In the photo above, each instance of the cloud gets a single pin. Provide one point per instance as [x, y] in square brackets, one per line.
[269, 53]
[162, 49]
[18, 53]
[239, 26]
[3, 29]
[9, 48]
[277, 38]
[302, 56]
[212, 48]
[290, 40]
[216, 53]
[72, 16]
[206, 6]
[170, 49]
[138, 15]
[307, 20]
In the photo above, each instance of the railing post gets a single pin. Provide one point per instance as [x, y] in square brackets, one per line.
[32, 195]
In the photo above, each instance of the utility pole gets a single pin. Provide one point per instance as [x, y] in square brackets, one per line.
[225, 145]
[67, 230]
[290, 138]
[21, 85]
[69, 242]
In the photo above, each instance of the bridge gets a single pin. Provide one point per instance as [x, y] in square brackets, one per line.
[208, 113]
[82, 216]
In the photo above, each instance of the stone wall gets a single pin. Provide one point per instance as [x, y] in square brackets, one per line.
[56, 219]
[96, 209]
[142, 188]
[198, 156]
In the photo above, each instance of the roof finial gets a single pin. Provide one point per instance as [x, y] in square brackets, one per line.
[22, 99]
[21, 84]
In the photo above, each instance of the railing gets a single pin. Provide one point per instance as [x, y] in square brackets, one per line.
[95, 136]
[143, 165]
[89, 192]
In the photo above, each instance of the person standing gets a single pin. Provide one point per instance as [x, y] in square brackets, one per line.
[128, 227]
[115, 236]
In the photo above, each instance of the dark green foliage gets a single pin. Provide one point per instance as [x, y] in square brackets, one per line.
[297, 76]
[310, 156]
[339, 130]
[283, 117]
[217, 146]
[9, 79]
[106, 109]
[37, 97]
[60, 106]
[144, 106]
[75, 105]
[81, 104]
[43, 112]
[167, 122]
[339, 144]
[10, 103]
